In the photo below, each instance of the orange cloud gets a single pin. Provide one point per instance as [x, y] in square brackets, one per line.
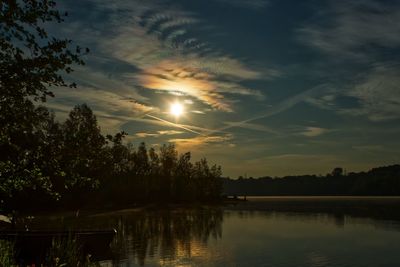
[190, 143]
[171, 77]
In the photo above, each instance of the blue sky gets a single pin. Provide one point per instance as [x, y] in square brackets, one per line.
[268, 87]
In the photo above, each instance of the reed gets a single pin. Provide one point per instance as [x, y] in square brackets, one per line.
[67, 252]
[7, 253]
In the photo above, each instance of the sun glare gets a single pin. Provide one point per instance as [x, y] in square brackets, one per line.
[176, 109]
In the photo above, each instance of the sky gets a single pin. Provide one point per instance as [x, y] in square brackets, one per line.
[267, 87]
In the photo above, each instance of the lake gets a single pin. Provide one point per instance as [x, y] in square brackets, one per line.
[263, 231]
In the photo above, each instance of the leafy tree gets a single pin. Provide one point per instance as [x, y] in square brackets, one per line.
[168, 159]
[31, 61]
[118, 154]
[338, 171]
[183, 185]
[141, 161]
[83, 151]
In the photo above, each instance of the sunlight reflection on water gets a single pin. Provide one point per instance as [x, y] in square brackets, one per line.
[291, 232]
[269, 238]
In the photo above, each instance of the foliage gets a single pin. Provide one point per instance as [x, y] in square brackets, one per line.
[31, 62]
[74, 163]
[66, 252]
[151, 175]
[62, 252]
[7, 253]
[30, 59]
[337, 171]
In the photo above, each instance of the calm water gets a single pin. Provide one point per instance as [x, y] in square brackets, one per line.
[261, 232]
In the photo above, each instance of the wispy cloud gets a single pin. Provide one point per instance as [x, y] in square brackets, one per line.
[196, 142]
[114, 110]
[158, 133]
[250, 126]
[311, 131]
[369, 148]
[170, 76]
[172, 59]
[253, 4]
[353, 28]
[360, 34]
[100, 100]
[378, 95]
[169, 132]
[375, 95]
[198, 112]
[144, 135]
[142, 48]
[278, 108]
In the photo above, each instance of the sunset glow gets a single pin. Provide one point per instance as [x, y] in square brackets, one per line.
[176, 109]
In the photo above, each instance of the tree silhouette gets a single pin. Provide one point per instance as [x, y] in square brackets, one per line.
[338, 171]
[82, 152]
[31, 61]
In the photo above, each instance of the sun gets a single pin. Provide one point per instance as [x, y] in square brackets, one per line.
[176, 109]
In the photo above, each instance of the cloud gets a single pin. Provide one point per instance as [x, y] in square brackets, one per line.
[99, 100]
[354, 28]
[169, 132]
[326, 101]
[378, 95]
[144, 135]
[313, 131]
[369, 148]
[250, 126]
[253, 4]
[195, 142]
[198, 112]
[360, 35]
[153, 45]
[158, 133]
[188, 102]
[280, 107]
[112, 109]
[190, 80]
[160, 42]
[142, 48]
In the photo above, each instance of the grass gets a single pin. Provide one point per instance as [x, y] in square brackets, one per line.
[7, 253]
[62, 253]
[67, 252]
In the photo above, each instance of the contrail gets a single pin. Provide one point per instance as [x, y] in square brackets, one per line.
[282, 106]
[174, 124]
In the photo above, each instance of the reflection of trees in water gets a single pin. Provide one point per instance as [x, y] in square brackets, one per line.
[166, 233]
[149, 233]
[386, 218]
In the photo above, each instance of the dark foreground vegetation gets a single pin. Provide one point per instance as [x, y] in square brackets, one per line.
[382, 181]
[61, 252]
[48, 164]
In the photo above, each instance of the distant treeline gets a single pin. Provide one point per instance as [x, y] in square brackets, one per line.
[382, 181]
[44, 163]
